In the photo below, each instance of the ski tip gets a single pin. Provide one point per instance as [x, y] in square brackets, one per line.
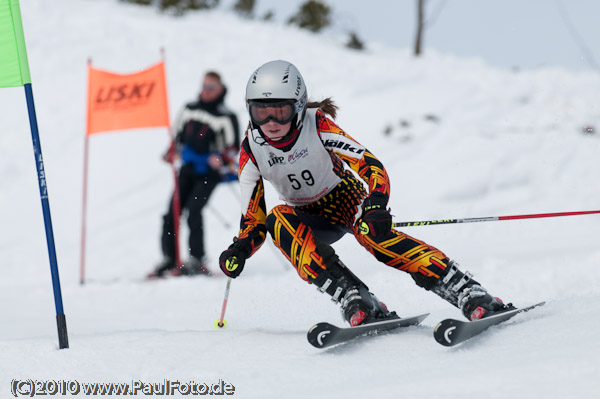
[528, 308]
[422, 317]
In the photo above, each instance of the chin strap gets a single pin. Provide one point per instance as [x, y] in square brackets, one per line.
[257, 136]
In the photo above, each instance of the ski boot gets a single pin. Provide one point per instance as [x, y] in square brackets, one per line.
[462, 291]
[193, 267]
[476, 303]
[358, 305]
[162, 268]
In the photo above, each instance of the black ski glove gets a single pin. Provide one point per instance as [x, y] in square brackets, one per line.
[376, 219]
[232, 260]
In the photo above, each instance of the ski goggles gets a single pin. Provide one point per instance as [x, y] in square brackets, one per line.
[281, 112]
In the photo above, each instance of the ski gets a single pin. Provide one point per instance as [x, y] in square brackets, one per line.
[450, 332]
[323, 335]
[174, 273]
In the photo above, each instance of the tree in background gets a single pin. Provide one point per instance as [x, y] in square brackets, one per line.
[313, 15]
[139, 2]
[179, 7]
[269, 16]
[420, 25]
[245, 8]
[354, 42]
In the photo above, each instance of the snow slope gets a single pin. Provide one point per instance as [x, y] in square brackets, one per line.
[467, 140]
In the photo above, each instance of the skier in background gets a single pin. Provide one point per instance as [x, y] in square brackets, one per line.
[297, 147]
[207, 140]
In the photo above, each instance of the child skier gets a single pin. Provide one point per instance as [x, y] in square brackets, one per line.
[294, 144]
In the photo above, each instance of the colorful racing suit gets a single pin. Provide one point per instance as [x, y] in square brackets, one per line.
[317, 180]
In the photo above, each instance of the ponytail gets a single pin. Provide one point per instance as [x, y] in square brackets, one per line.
[327, 106]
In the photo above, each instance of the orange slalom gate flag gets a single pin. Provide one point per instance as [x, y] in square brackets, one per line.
[127, 101]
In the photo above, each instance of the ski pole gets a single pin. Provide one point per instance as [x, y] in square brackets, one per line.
[490, 219]
[219, 216]
[220, 323]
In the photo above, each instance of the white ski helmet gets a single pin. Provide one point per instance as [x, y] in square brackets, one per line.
[278, 82]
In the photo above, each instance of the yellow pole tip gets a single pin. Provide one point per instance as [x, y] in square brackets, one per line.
[218, 324]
